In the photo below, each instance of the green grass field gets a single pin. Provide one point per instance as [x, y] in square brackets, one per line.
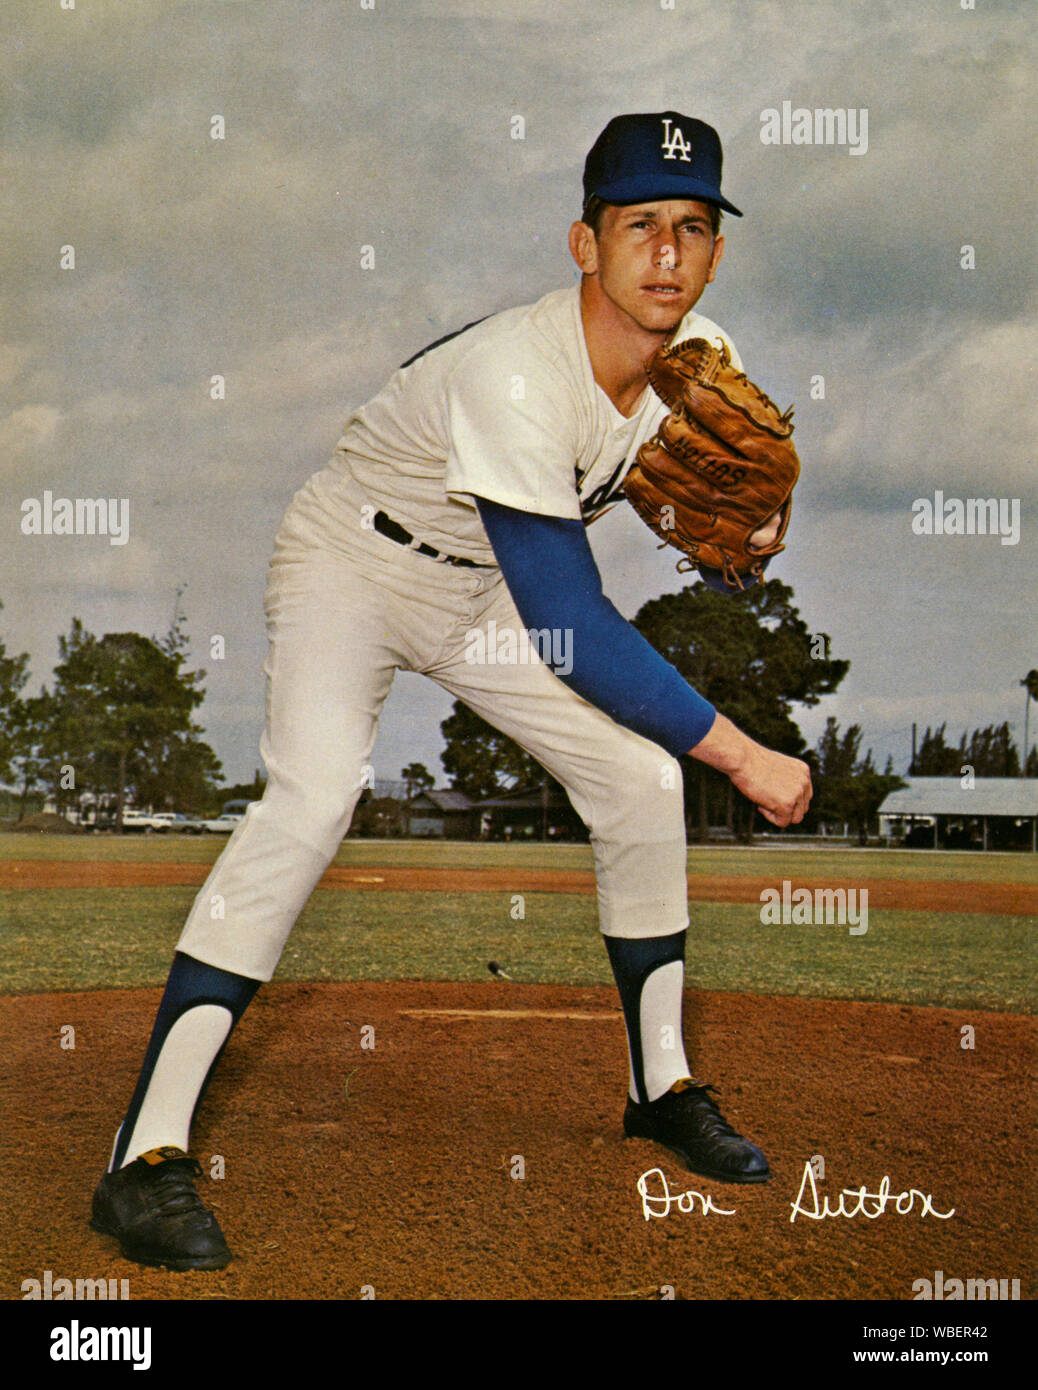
[97, 938]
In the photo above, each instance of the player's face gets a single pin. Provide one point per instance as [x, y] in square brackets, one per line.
[653, 260]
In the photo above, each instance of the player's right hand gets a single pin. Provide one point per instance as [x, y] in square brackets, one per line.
[779, 786]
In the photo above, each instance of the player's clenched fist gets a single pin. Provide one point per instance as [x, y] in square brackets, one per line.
[779, 786]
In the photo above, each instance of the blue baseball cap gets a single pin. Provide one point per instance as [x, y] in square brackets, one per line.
[639, 158]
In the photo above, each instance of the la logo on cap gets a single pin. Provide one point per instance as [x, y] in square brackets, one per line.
[645, 155]
[674, 145]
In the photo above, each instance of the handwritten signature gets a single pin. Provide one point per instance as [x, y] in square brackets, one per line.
[903, 1201]
[658, 1200]
[659, 1203]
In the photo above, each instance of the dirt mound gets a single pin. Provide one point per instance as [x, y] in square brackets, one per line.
[476, 1151]
[44, 823]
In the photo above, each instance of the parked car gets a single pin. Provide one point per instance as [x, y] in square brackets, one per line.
[144, 822]
[221, 825]
[178, 823]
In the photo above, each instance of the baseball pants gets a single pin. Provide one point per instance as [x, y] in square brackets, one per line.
[346, 608]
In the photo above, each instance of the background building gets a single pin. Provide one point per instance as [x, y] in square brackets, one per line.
[963, 813]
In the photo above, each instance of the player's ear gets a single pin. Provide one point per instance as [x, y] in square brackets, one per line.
[583, 247]
[715, 259]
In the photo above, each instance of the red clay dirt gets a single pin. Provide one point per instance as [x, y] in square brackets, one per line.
[1010, 899]
[394, 1168]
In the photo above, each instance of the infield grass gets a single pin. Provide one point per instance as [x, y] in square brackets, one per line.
[97, 938]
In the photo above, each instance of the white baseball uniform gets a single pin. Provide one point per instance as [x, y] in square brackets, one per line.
[507, 410]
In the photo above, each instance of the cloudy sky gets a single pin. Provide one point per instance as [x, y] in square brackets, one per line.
[390, 125]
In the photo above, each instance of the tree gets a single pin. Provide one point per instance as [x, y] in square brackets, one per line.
[848, 788]
[1030, 684]
[990, 752]
[29, 756]
[480, 760]
[416, 777]
[241, 791]
[380, 816]
[181, 772]
[13, 675]
[752, 656]
[121, 715]
[934, 757]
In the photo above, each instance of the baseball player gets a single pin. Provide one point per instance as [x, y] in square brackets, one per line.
[458, 498]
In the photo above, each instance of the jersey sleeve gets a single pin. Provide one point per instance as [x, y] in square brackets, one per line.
[513, 431]
[553, 579]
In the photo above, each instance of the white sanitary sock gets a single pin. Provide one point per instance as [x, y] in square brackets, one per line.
[188, 1052]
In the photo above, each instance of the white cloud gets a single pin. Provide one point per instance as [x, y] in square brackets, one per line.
[26, 429]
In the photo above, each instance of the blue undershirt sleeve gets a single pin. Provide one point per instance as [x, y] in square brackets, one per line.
[551, 574]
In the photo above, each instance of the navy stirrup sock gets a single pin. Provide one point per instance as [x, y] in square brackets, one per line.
[653, 1015]
[191, 984]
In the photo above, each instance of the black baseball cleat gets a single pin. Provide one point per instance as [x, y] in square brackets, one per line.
[687, 1121]
[153, 1210]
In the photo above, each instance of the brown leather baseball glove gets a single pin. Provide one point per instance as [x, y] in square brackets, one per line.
[720, 467]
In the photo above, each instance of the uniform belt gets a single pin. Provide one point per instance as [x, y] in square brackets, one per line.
[386, 526]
